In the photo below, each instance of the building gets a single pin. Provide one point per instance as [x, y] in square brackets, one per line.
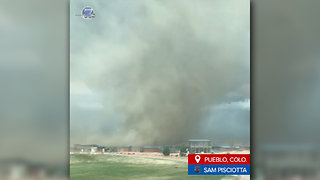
[136, 149]
[87, 148]
[230, 148]
[244, 147]
[81, 148]
[199, 146]
[174, 148]
[127, 148]
[225, 148]
[151, 149]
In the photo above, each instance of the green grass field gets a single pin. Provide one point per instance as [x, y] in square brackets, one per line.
[100, 167]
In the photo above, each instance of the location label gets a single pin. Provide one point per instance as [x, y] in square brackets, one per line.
[197, 157]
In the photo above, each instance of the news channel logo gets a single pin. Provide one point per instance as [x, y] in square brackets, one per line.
[197, 169]
[87, 13]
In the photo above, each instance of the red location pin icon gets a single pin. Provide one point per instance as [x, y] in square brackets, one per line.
[197, 158]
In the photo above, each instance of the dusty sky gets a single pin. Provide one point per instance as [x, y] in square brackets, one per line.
[160, 72]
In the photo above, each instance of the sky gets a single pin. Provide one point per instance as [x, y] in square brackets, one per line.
[160, 72]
